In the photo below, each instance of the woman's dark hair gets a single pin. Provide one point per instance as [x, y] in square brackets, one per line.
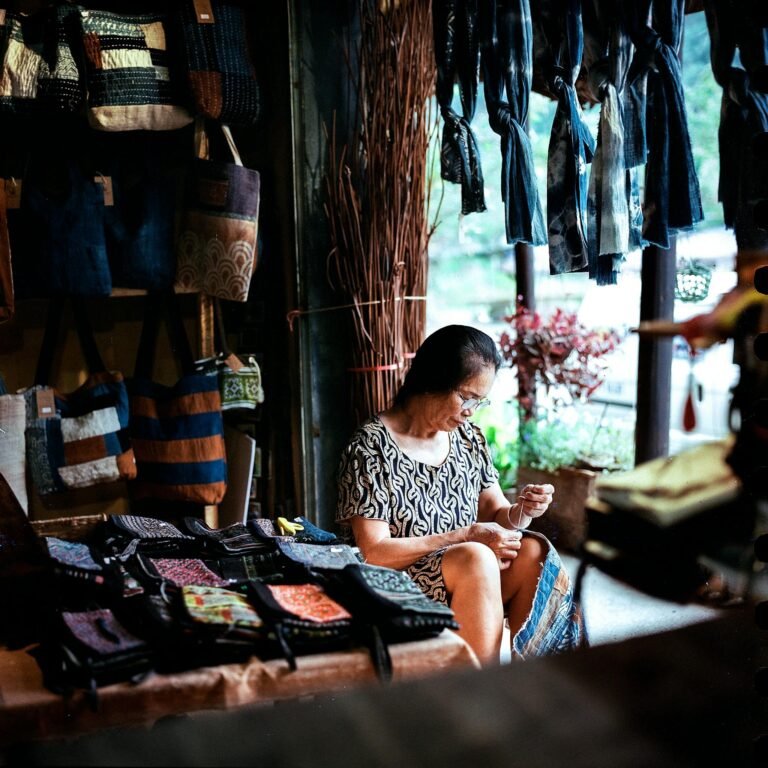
[447, 357]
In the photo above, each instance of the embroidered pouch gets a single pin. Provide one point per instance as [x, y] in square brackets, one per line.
[186, 572]
[92, 649]
[318, 556]
[223, 610]
[303, 618]
[235, 539]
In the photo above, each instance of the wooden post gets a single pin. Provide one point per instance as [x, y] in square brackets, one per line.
[654, 359]
[524, 275]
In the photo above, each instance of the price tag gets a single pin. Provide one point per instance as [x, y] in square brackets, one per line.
[204, 11]
[12, 193]
[106, 183]
[46, 405]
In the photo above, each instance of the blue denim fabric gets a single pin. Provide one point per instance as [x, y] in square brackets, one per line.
[672, 199]
[57, 235]
[744, 114]
[507, 60]
[607, 55]
[139, 227]
[457, 53]
[571, 144]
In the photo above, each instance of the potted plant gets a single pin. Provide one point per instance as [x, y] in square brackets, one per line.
[560, 363]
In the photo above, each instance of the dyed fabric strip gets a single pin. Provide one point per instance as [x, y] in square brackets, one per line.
[457, 53]
[672, 199]
[571, 146]
[507, 60]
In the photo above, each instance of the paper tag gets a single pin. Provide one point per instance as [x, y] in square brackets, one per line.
[12, 193]
[204, 11]
[2, 17]
[106, 183]
[233, 362]
[46, 405]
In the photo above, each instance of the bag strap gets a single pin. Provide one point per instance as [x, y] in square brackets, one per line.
[53, 330]
[225, 129]
[159, 304]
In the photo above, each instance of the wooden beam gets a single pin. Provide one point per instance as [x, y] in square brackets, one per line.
[654, 359]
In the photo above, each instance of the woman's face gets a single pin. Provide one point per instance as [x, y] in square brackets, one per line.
[449, 412]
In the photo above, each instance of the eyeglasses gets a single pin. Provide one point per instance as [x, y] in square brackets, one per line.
[472, 403]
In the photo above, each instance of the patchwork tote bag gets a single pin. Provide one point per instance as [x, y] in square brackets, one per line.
[216, 249]
[129, 73]
[40, 72]
[178, 430]
[76, 439]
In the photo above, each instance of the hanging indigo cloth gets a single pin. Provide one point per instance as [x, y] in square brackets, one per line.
[634, 105]
[607, 51]
[743, 116]
[507, 61]
[457, 53]
[672, 200]
[557, 24]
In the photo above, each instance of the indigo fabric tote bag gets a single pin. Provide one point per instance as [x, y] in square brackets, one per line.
[217, 245]
[177, 431]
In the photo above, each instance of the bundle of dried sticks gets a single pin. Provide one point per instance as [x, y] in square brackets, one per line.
[377, 197]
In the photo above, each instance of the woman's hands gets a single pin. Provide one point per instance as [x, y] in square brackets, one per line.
[534, 500]
[504, 542]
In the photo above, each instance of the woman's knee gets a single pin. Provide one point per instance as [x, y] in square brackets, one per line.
[532, 550]
[470, 562]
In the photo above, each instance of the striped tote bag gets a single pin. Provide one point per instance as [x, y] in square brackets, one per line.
[177, 431]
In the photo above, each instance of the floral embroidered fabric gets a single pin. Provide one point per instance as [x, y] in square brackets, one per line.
[217, 606]
[308, 602]
[187, 571]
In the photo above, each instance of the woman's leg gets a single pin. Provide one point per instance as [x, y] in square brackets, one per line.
[519, 581]
[471, 576]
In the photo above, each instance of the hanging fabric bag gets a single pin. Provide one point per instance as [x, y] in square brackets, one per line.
[13, 463]
[217, 245]
[77, 439]
[40, 72]
[219, 65]
[177, 431]
[130, 80]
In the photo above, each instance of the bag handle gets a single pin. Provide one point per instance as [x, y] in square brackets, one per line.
[202, 145]
[53, 329]
[159, 304]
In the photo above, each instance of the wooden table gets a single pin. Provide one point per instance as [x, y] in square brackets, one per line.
[29, 712]
[676, 700]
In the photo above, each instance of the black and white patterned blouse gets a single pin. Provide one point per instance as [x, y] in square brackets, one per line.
[378, 481]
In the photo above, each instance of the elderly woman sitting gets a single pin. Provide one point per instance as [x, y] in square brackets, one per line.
[419, 491]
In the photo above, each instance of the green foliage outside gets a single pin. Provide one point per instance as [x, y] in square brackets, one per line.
[579, 438]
